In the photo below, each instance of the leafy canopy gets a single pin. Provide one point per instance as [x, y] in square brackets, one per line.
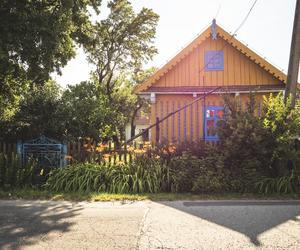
[121, 43]
[37, 38]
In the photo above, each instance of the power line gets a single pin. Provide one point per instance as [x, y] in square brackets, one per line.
[246, 17]
[205, 94]
[233, 35]
[218, 11]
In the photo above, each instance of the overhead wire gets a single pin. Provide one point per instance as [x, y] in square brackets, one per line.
[233, 35]
[210, 92]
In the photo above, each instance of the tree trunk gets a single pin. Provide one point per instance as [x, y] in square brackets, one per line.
[132, 125]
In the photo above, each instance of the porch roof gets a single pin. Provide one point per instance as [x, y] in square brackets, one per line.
[229, 89]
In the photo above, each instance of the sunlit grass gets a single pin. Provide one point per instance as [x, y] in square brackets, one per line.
[35, 194]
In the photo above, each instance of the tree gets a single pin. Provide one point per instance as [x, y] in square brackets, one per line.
[90, 114]
[37, 38]
[282, 121]
[138, 102]
[12, 88]
[40, 112]
[85, 111]
[121, 43]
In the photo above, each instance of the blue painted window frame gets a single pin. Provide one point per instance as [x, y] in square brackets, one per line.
[215, 119]
[214, 60]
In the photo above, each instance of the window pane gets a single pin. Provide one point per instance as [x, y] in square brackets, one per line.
[220, 114]
[214, 60]
[210, 113]
[210, 128]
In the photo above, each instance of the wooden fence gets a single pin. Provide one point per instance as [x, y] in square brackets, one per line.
[108, 152]
[86, 150]
[8, 148]
[81, 151]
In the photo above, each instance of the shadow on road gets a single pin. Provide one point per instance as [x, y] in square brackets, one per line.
[26, 222]
[248, 218]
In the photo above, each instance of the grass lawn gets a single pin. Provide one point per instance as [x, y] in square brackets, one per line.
[35, 194]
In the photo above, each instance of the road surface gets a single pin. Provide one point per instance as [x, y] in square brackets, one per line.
[150, 225]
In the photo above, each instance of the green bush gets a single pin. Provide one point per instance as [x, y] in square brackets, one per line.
[144, 175]
[208, 183]
[15, 175]
[200, 175]
[260, 153]
[283, 123]
[183, 170]
[284, 184]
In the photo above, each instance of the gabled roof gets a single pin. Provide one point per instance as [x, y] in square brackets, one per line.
[196, 42]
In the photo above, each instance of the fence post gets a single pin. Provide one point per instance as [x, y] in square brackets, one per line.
[115, 152]
[125, 152]
[64, 154]
[109, 152]
[157, 131]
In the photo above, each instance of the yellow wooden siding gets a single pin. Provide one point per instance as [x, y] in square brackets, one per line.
[189, 72]
[238, 69]
[186, 123]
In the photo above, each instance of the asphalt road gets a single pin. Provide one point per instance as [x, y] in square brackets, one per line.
[150, 225]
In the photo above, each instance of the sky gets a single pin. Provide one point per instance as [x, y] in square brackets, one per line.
[267, 31]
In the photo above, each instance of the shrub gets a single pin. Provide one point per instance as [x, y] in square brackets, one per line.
[283, 123]
[260, 152]
[167, 152]
[192, 174]
[245, 145]
[208, 183]
[15, 175]
[142, 175]
[285, 184]
[183, 170]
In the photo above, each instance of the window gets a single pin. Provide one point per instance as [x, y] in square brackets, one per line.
[214, 60]
[213, 114]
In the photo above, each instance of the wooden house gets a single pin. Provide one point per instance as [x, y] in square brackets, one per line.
[214, 59]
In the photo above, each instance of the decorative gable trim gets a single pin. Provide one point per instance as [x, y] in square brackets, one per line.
[196, 42]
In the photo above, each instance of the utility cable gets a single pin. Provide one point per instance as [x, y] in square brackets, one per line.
[205, 94]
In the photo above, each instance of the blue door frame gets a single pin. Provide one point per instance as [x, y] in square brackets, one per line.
[215, 119]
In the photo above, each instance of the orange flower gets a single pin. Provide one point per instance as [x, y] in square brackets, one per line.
[68, 157]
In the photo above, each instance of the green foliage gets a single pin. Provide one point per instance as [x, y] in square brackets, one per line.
[40, 112]
[286, 184]
[37, 36]
[208, 182]
[260, 153]
[12, 88]
[84, 111]
[183, 171]
[192, 174]
[283, 123]
[121, 42]
[88, 112]
[36, 39]
[143, 175]
[13, 174]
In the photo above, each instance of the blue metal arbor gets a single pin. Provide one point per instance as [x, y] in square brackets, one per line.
[48, 152]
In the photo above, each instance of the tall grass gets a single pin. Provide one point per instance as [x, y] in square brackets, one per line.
[285, 184]
[144, 175]
[13, 174]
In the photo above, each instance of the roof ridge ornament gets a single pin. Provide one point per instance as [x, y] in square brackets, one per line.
[214, 30]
